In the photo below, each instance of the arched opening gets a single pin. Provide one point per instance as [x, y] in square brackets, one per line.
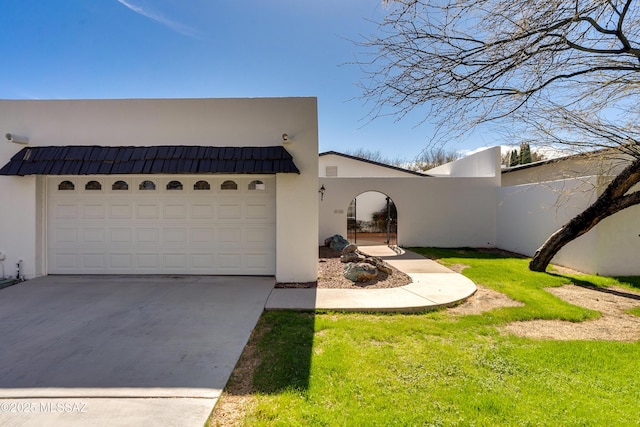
[372, 219]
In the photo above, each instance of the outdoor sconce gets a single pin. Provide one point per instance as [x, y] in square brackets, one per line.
[17, 139]
[321, 191]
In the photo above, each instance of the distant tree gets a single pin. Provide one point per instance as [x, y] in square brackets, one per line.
[525, 153]
[373, 155]
[522, 157]
[427, 159]
[431, 158]
[514, 159]
[536, 156]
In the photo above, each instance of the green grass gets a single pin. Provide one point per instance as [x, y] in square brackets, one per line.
[435, 369]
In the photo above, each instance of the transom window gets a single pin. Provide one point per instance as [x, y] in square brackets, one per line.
[120, 185]
[229, 185]
[256, 185]
[201, 185]
[66, 185]
[174, 185]
[147, 185]
[93, 185]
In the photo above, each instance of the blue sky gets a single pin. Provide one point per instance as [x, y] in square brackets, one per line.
[70, 49]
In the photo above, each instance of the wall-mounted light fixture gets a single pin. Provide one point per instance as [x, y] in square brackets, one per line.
[285, 138]
[321, 191]
[17, 139]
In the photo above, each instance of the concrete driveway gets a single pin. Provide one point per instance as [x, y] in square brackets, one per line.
[122, 350]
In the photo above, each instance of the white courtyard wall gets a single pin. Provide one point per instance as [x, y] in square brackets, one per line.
[445, 212]
[528, 214]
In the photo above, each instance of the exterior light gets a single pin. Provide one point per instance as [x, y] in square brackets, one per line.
[321, 191]
[17, 139]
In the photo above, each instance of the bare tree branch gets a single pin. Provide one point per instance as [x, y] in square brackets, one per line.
[560, 72]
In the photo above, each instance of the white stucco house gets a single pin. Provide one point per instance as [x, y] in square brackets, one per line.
[237, 187]
[160, 186]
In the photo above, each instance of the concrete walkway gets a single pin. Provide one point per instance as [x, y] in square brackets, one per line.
[433, 286]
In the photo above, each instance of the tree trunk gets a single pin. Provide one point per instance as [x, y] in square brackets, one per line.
[612, 200]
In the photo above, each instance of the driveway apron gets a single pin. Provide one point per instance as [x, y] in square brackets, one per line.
[122, 350]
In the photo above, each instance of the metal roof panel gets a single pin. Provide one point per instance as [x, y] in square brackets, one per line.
[72, 160]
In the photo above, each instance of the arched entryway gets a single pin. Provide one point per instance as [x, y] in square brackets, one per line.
[372, 219]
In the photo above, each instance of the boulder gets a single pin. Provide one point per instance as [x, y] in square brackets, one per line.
[385, 268]
[374, 260]
[336, 242]
[350, 248]
[360, 271]
[351, 257]
[379, 264]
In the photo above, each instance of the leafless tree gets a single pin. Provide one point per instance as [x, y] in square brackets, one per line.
[427, 159]
[432, 157]
[561, 72]
[373, 155]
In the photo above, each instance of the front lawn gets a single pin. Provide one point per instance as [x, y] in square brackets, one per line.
[441, 369]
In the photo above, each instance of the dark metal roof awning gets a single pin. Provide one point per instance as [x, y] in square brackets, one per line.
[163, 159]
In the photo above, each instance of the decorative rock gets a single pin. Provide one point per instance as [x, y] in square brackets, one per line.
[360, 271]
[336, 242]
[374, 260]
[385, 268]
[379, 264]
[351, 257]
[350, 248]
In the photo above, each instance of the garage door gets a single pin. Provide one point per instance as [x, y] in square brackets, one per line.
[154, 224]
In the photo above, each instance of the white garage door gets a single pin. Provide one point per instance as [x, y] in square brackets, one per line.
[155, 224]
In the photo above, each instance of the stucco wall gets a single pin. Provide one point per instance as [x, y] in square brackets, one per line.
[538, 199]
[485, 164]
[445, 212]
[356, 169]
[457, 209]
[528, 214]
[207, 122]
[570, 167]
[18, 224]
[619, 242]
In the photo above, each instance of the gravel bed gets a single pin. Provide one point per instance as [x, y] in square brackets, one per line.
[330, 276]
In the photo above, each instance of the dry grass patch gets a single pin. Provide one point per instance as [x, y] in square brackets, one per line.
[238, 396]
[614, 324]
[483, 300]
